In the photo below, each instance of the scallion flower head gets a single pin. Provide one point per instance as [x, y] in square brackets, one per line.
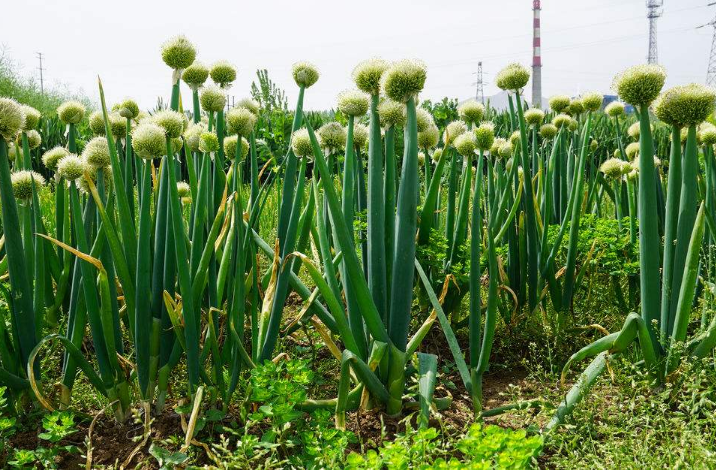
[195, 75]
[548, 131]
[592, 101]
[301, 144]
[96, 123]
[513, 77]
[708, 135]
[466, 144]
[429, 137]
[183, 189]
[171, 121]
[615, 109]
[404, 80]
[612, 168]
[495, 147]
[332, 137]
[117, 125]
[573, 125]
[223, 73]
[423, 119]
[212, 99]
[632, 150]
[559, 103]
[208, 143]
[421, 158]
[515, 139]
[250, 104]
[360, 135]
[240, 121]
[53, 156]
[148, 140]
[129, 109]
[192, 136]
[452, 131]
[368, 73]
[687, 105]
[561, 120]
[575, 107]
[33, 139]
[391, 113]
[437, 155]
[485, 136]
[640, 85]
[70, 167]
[471, 112]
[12, 118]
[634, 131]
[353, 102]
[178, 53]
[230, 143]
[96, 153]
[305, 74]
[534, 117]
[32, 117]
[22, 182]
[506, 150]
[71, 112]
[593, 145]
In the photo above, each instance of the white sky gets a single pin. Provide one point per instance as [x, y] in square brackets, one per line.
[583, 43]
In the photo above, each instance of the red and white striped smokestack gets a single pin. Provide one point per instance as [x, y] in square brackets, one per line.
[536, 55]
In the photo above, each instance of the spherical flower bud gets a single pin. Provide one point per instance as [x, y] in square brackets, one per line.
[515, 139]
[223, 73]
[91, 172]
[183, 189]
[117, 125]
[575, 108]
[632, 150]
[148, 140]
[96, 123]
[513, 77]
[495, 147]
[534, 117]
[437, 155]
[251, 105]
[32, 117]
[708, 135]
[465, 144]
[592, 101]
[634, 131]
[22, 182]
[593, 145]
[53, 156]
[208, 142]
[421, 158]
[559, 103]
[301, 144]
[12, 118]
[404, 80]
[684, 106]
[641, 84]
[230, 143]
[195, 75]
[129, 109]
[452, 131]
[471, 112]
[367, 75]
[360, 136]
[485, 136]
[171, 121]
[612, 168]
[635, 163]
[391, 113]
[33, 139]
[548, 131]
[508, 165]
[353, 102]
[561, 120]
[332, 137]
[423, 119]
[573, 125]
[506, 150]
[615, 109]
[177, 143]
[240, 121]
[212, 99]
[428, 138]
[192, 136]
[305, 74]
[178, 53]
[70, 167]
[71, 112]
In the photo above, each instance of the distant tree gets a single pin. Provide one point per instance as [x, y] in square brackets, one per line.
[443, 111]
[267, 93]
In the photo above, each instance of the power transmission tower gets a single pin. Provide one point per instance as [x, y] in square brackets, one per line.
[653, 11]
[479, 90]
[42, 82]
[536, 55]
[711, 70]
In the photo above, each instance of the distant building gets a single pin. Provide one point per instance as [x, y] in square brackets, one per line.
[609, 98]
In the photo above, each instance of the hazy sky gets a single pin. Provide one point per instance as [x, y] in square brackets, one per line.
[583, 43]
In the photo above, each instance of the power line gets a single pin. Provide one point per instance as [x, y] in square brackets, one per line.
[653, 12]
